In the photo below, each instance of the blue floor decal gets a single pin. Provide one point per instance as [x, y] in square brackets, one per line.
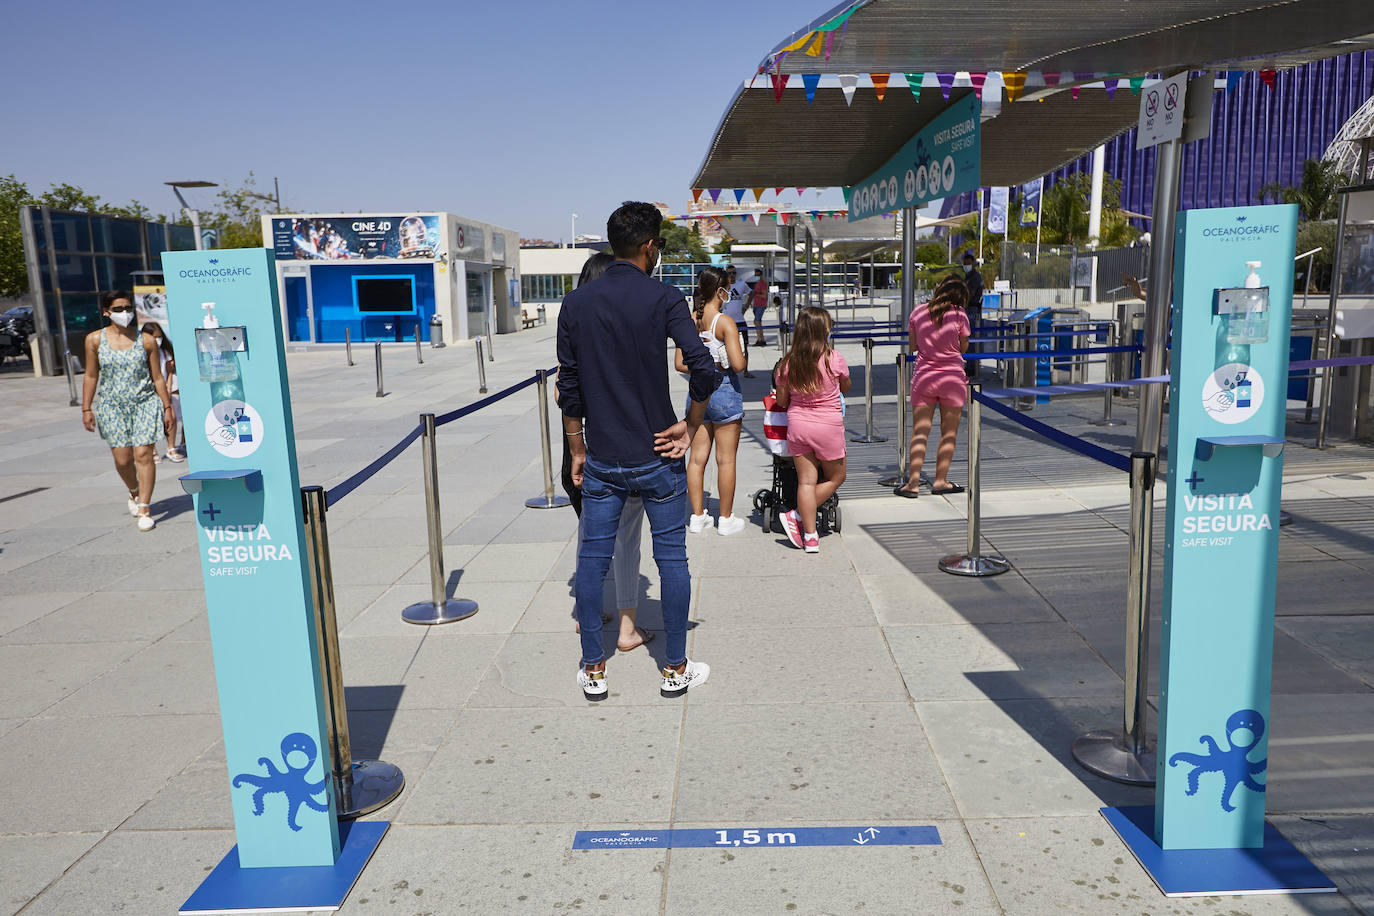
[744, 837]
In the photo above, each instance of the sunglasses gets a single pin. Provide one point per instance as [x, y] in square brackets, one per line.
[121, 308]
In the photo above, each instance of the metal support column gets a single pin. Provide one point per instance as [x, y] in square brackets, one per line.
[481, 368]
[808, 267]
[868, 435]
[973, 563]
[1150, 417]
[360, 786]
[548, 499]
[377, 354]
[903, 434]
[348, 345]
[1126, 755]
[440, 608]
[1328, 373]
[419, 358]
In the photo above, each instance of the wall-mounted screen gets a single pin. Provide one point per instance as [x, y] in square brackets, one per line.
[384, 295]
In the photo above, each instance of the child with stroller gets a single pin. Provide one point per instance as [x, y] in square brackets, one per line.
[810, 382]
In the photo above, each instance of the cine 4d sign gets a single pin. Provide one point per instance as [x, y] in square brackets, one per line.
[942, 159]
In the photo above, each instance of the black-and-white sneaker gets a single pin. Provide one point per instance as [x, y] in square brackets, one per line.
[676, 683]
[593, 683]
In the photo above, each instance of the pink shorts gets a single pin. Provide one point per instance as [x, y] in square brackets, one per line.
[947, 387]
[807, 436]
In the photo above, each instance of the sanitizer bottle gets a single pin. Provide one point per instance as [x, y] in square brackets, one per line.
[1251, 325]
[217, 364]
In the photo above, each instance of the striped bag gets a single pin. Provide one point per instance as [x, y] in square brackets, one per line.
[775, 427]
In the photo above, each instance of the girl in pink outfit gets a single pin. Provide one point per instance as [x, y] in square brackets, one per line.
[810, 380]
[938, 335]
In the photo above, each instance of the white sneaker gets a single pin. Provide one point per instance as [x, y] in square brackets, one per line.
[791, 525]
[133, 507]
[699, 523]
[730, 525]
[593, 683]
[675, 684]
[811, 543]
[146, 523]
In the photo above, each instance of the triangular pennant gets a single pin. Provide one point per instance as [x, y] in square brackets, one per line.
[1051, 79]
[848, 82]
[1015, 83]
[1136, 83]
[696, 195]
[809, 82]
[739, 195]
[1035, 80]
[880, 83]
[758, 194]
[846, 195]
[992, 104]
[782, 218]
[962, 78]
[1110, 86]
[977, 79]
[714, 193]
[946, 83]
[777, 191]
[815, 49]
[913, 82]
[1083, 77]
[755, 218]
[800, 191]
[1267, 76]
[1074, 93]
[779, 84]
[815, 214]
[1233, 79]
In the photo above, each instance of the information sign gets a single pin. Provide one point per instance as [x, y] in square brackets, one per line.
[1161, 111]
[941, 160]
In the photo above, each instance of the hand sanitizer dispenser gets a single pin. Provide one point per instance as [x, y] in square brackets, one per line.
[216, 346]
[1245, 311]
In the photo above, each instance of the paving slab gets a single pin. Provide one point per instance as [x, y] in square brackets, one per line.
[165, 679]
[37, 676]
[1321, 754]
[1342, 640]
[20, 610]
[1342, 847]
[500, 606]
[142, 616]
[32, 862]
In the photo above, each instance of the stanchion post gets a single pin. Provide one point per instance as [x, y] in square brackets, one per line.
[868, 435]
[360, 786]
[419, 358]
[491, 350]
[439, 608]
[548, 499]
[1127, 756]
[481, 368]
[348, 345]
[973, 563]
[377, 353]
[903, 434]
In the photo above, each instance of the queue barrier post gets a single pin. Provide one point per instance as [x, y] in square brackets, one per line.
[348, 345]
[1125, 755]
[419, 358]
[360, 786]
[868, 435]
[973, 563]
[548, 499]
[440, 608]
[481, 368]
[491, 350]
[377, 354]
[903, 434]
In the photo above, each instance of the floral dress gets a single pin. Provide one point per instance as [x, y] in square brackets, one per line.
[127, 412]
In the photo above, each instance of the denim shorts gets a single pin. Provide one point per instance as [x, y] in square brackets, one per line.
[726, 404]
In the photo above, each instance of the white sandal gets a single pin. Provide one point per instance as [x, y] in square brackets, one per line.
[133, 504]
[145, 522]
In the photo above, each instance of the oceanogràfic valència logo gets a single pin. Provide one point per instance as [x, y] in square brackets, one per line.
[215, 275]
[1242, 228]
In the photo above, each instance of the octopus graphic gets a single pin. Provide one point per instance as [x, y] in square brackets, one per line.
[289, 782]
[1233, 763]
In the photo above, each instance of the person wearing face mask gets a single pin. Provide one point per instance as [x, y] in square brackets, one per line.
[132, 406]
[974, 308]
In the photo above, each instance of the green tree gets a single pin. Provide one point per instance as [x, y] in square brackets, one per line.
[1315, 194]
[14, 278]
[238, 215]
[723, 246]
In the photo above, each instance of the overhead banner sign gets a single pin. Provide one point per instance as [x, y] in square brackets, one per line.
[361, 237]
[997, 209]
[1031, 192]
[941, 160]
[1161, 111]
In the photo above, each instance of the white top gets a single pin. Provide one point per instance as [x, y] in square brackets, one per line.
[714, 346]
[735, 306]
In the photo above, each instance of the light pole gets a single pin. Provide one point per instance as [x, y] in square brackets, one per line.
[572, 239]
[193, 214]
[274, 199]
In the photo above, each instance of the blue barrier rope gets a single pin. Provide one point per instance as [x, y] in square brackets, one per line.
[333, 495]
[1000, 337]
[485, 402]
[1053, 354]
[1073, 443]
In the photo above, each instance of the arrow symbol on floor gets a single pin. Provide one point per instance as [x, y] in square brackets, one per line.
[873, 831]
[861, 841]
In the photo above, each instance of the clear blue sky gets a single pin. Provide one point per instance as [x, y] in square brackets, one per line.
[517, 112]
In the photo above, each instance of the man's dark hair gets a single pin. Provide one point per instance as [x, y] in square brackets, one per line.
[631, 225]
[968, 256]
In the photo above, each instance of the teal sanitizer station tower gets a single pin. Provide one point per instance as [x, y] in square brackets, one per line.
[1206, 833]
[292, 850]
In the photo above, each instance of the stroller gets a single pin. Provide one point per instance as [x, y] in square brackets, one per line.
[782, 496]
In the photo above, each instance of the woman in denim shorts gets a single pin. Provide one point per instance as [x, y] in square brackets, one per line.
[725, 409]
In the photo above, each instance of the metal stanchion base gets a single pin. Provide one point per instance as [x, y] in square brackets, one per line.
[1284, 519]
[896, 481]
[543, 502]
[374, 784]
[866, 439]
[966, 565]
[428, 613]
[1106, 754]
[1111, 422]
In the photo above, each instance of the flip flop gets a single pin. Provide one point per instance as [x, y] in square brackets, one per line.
[953, 488]
[904, 493]
[645, 637]
[577, 627]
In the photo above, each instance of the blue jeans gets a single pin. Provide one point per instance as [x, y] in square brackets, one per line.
[662, 485]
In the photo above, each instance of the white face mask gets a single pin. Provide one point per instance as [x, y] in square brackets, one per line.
[123, 319]
[968, 268]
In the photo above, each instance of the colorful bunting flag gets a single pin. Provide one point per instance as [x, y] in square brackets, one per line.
[1015, 83]
[880, 83]
[1233, 79]
[777, 191]
[815, 49]
[1136, 83]
[913, 82]
[809, 82]
[1051, 79]
[779, 84]
[978, 79]
[845, 191]
[758, 194]
[696, 195]
[1110, 86]
[800, 191]
[755, 217]
[715, 194]
[739, 195]
[829, 44]
[946, 83]
[1267, 76]
[848, 82]
[1035, 80]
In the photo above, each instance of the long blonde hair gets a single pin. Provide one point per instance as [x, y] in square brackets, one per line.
[810, 344]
